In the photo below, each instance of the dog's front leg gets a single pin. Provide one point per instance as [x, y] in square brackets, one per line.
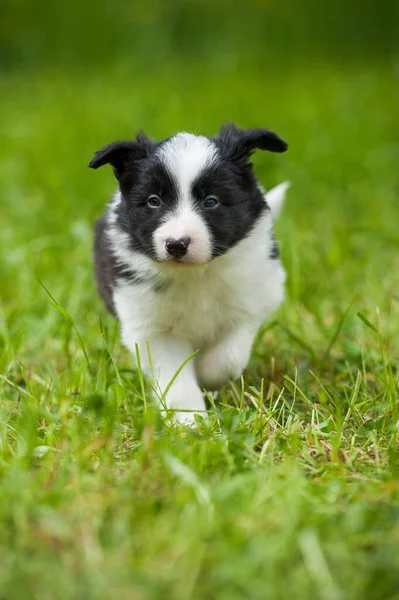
[227, 359]
[161, 359]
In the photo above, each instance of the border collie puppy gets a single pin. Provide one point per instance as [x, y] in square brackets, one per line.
[186, 259]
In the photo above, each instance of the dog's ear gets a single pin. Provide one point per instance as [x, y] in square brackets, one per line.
[239, 144]
[118, 154]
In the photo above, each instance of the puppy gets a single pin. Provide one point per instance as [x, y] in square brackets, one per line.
[186, 259]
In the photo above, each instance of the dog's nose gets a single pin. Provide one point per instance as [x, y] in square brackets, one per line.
[177, 247]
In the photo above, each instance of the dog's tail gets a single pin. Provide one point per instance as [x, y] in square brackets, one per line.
[275, 198]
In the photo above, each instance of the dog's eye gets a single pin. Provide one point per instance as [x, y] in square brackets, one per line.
[154, 201]
[211, 202]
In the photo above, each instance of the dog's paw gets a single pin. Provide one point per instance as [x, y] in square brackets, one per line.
[184, 403]
[218, 366]
[186, 418]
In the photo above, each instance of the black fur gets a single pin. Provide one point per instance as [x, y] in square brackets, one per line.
[104, 263]
[241, 203]
[133, 215]
[122, 154]
[238, 144]
[274, 251]
[108, 270]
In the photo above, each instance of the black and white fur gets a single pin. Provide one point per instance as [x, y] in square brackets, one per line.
[185, 256]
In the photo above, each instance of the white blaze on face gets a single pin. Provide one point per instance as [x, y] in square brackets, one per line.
[185, 156]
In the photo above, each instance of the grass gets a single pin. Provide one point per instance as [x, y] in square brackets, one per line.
[290, 489]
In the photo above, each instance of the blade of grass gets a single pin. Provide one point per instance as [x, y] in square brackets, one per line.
[70, 320]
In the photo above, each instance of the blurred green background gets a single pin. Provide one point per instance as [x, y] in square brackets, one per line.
[153, 33]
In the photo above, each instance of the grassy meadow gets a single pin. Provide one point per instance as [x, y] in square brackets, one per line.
[290, 489]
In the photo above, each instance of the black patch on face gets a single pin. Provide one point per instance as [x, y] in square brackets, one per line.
[134, 216]
[241, 203]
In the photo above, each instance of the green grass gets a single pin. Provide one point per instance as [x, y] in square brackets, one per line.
[290, 489]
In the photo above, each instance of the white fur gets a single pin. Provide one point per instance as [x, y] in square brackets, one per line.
[185, 156]
[215, 307]
[112, 216]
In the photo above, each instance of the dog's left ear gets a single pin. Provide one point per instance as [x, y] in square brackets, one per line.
[239, 144]
[118, 154]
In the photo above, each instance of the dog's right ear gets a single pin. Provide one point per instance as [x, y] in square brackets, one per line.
[118, 154]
